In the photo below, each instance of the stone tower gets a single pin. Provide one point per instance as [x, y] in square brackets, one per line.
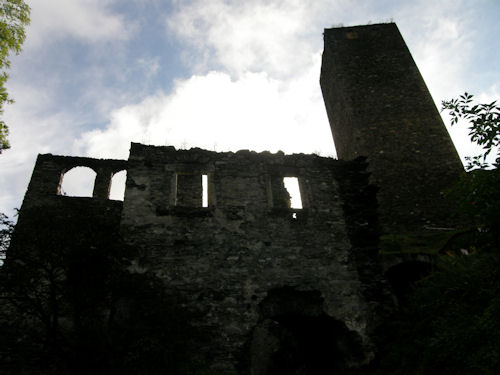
[379, 106]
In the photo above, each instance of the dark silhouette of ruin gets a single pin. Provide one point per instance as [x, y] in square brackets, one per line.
[283, 290]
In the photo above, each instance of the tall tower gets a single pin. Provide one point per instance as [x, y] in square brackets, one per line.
[379, 107]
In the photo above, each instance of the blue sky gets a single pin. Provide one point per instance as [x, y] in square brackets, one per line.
[222, 75]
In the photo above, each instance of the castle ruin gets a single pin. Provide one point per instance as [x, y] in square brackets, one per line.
[280, 287]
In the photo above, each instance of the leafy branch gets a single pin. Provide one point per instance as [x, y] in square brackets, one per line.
[6, 229]
[484, 128]
[14, 16]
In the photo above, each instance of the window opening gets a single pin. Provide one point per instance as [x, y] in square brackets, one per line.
[190, 190]
[292, 186]
[204, 185]
[78, 182]
[117, 190]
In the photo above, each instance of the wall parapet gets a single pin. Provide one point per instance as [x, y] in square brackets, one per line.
[49, 172]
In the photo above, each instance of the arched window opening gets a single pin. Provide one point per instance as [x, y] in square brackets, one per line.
[78, 182]
[117, 191]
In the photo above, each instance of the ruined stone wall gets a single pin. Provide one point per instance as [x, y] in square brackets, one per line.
[56, 268]
[378, 106]
[49, 172]
[43, 202]
[229, 257]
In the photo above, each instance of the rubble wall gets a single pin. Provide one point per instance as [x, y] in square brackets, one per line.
[227, 257]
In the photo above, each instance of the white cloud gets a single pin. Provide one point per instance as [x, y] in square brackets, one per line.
[491, 94]
[442, 50]
[266, 94]
[85, 20]
[32, 131]
[255, 35]
[214, 112]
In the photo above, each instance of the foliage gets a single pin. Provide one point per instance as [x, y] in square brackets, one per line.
[484, 129]
[6, 229]
[14, 16]
[478, 191]
[477, 195]
[452, 324]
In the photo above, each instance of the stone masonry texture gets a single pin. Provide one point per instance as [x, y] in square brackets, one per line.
[379, 107]
[248, 259]
[227, 257]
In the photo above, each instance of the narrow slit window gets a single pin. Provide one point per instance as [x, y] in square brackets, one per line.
[204, 185]
[292, 186]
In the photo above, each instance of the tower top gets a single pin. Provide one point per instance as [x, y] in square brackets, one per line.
[379, 106]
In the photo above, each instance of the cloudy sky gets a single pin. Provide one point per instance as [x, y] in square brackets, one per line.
[217, 74]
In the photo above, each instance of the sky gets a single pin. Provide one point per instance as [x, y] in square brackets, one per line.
[222, 75]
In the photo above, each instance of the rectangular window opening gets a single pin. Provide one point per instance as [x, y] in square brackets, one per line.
[292, 186]
[189, 189]
[204, 184]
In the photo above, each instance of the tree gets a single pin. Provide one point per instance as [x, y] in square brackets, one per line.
[484, 127]
[451, 324]
[478, 191]
[14, 16]
[6, 229]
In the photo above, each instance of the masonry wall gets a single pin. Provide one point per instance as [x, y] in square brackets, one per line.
[46, 215]
[378, 106]
[227, 259]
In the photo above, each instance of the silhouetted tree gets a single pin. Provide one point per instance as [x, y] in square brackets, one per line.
[484, 127]
[14, 16]
[6, 229]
